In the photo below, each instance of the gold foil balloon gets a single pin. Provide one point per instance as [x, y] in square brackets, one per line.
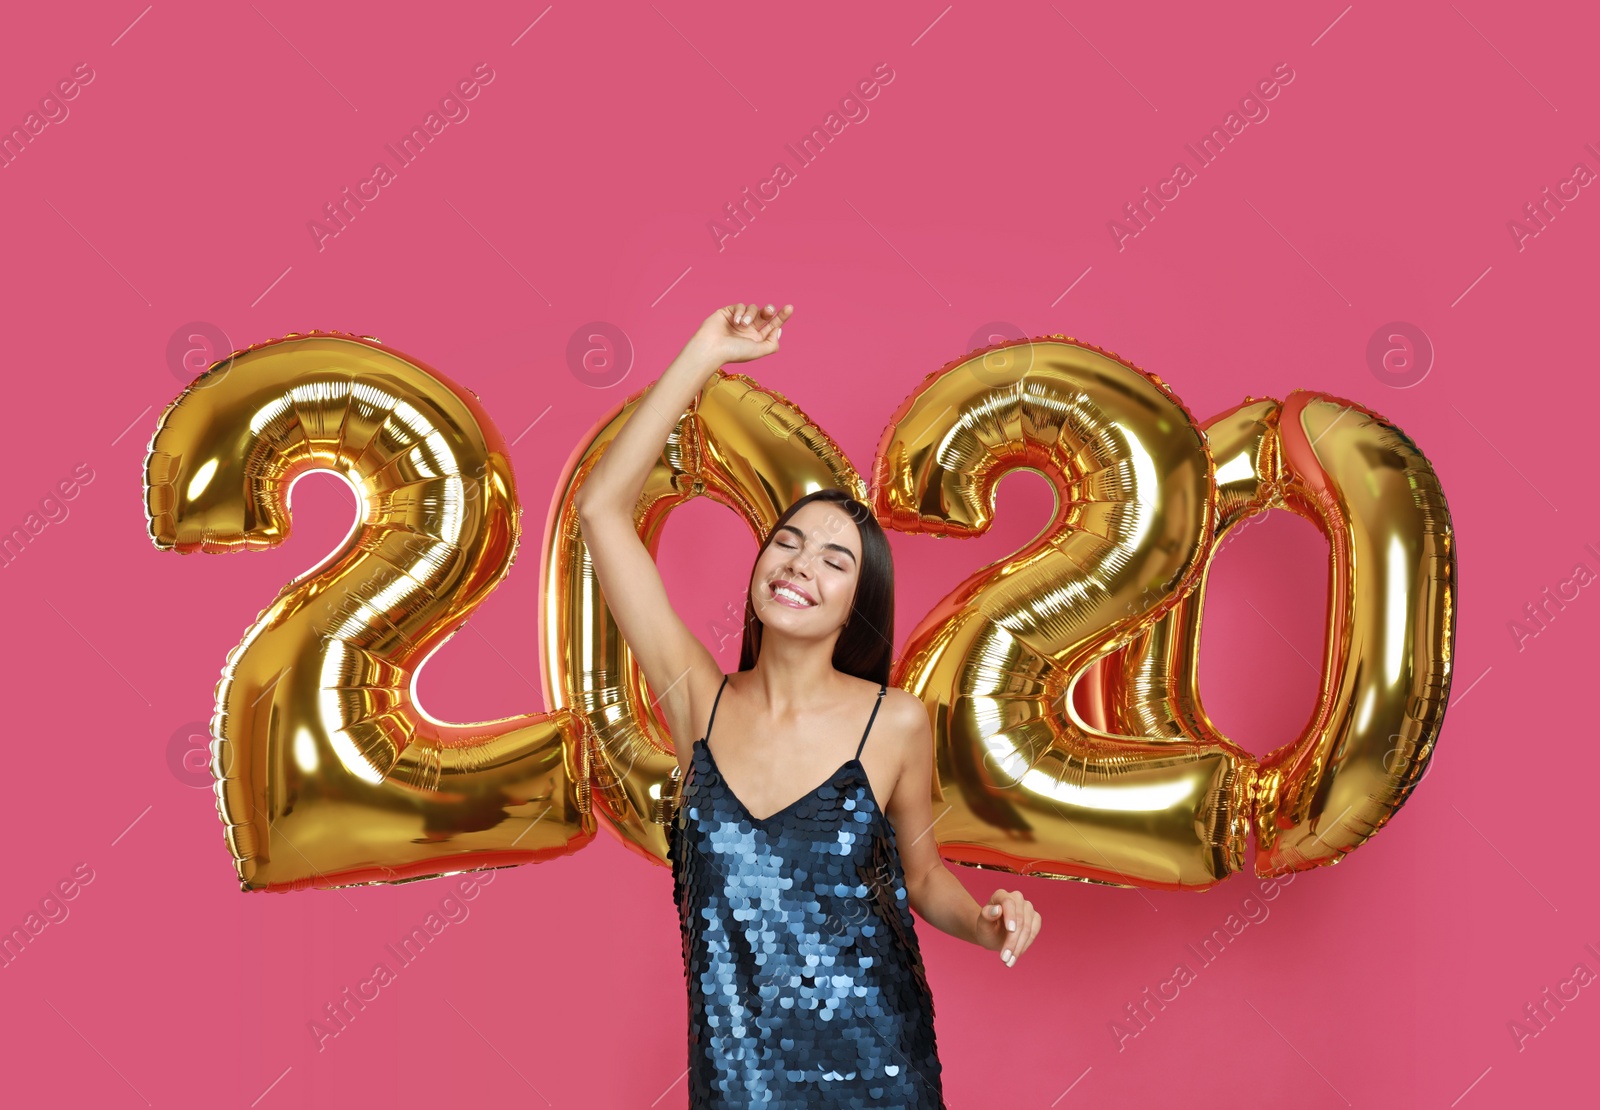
[1385, 678]
[740, 444]
[1390, 640]
[1022, 783]
[328, 773]
[1151, 686]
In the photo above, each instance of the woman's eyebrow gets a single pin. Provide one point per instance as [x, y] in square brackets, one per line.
[829, 546]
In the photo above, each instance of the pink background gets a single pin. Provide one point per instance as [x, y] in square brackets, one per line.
[178, 188]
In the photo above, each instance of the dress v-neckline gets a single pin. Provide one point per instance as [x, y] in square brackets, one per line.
[764, 821]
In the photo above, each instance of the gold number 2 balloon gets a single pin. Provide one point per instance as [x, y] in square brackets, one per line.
[1021, 783]
[327, 773]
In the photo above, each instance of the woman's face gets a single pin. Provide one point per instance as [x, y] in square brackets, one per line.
[805, 580]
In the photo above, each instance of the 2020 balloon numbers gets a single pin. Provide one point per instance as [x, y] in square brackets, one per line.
[328, 774]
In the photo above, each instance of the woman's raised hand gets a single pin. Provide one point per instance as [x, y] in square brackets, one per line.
[741, 332]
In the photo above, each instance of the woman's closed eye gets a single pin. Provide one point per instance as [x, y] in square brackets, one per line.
[789, 547]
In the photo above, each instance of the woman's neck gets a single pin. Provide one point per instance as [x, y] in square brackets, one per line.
[792, 676]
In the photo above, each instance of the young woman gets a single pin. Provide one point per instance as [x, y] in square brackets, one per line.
[806, 984]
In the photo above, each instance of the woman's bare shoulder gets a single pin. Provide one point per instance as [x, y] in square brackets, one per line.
[905, 716]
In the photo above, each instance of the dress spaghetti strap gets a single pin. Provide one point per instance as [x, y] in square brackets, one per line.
[714, 705]
[883, 688]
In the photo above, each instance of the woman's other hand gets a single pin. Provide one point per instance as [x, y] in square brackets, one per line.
[1008, 924]
[741, 332]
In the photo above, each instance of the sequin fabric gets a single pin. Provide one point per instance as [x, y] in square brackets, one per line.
[806, 983]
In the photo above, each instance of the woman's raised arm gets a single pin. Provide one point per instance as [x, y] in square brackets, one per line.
[679, 669]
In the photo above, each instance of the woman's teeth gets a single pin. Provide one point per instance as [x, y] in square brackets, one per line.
[786, 592]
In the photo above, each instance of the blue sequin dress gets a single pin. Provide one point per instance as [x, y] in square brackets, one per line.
[806, 983]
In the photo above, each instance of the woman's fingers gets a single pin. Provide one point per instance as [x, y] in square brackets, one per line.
[1028, 930]
[772, 322]
[1021, 923]
[1010, 903]
[1018, 923]
[775, 320]
[764, 320]
[1032, 929]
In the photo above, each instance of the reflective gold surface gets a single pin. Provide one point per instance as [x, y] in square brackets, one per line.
[328, 773]
[1386, 669]
[1022, 782]
[1385, 676]
[1070, 737]
[741, 444]
[1151, 686]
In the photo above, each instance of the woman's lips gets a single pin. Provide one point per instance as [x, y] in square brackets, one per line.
[790, 602]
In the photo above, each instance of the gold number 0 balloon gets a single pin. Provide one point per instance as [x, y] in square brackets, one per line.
[327, 773]
[740, 444]
[1386, 670]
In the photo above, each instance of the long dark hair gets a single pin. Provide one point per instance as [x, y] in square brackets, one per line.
[865, 647]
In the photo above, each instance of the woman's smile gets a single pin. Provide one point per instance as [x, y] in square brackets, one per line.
[787, 593]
